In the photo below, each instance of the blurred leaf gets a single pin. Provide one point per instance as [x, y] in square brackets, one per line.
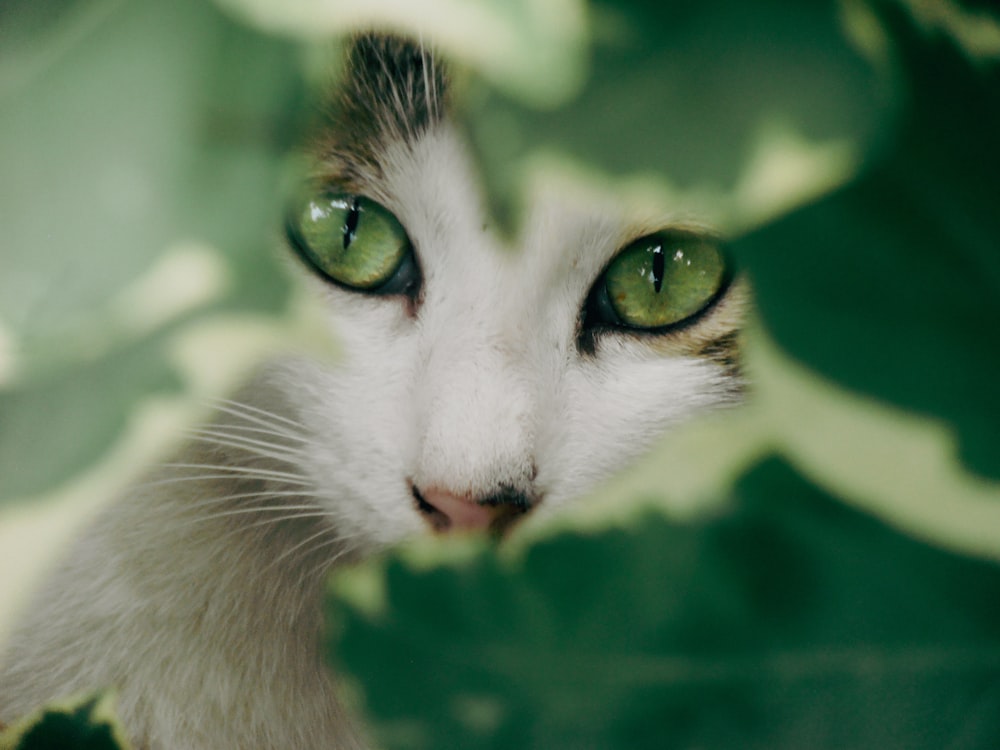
[83, 724]
[965, 4]
[892, 285]
[972, 23]
[62, 423]
[128, 129]
[532, 49]
[685, 91]
[788, 622]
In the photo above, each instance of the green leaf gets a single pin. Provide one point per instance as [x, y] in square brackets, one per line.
[60, 424]
[136, 137]
[80, 724]
[891, 286]
[687, 93]
[789, 621]
[532, 49]
[897, 465]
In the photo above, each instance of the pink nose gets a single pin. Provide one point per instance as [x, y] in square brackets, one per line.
[497, 513]
[446, 510]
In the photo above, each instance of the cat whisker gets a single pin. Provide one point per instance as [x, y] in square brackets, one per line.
[214, 471]
[217, 499]
[259, 416]
[325, 532]
[246, 472]
[269, 521]
[257, 410]
[254, 447]
[237, 429]
[250, 508]
[314, 512]
[325, 565]
[201, 477]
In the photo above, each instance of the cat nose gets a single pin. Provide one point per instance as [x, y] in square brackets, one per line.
[447, 511]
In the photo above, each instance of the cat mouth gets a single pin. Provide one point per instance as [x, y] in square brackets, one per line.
[496, 514]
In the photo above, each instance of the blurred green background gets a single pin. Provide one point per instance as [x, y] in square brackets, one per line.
[817, 569]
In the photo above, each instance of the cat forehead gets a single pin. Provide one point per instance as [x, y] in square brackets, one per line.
[430, 184]
[391, 92]
[391, 137]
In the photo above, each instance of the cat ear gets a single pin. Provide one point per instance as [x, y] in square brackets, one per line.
[394, 88]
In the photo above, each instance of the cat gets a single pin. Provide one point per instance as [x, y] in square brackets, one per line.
[479, 388]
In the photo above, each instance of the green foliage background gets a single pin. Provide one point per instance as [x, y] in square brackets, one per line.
[817, 569]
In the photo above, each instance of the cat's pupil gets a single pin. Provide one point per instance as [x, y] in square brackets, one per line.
[659, 266]
[351, 223]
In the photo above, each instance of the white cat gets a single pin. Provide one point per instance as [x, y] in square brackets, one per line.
[478, 386]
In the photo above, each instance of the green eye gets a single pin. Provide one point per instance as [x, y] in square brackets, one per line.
[351, 239]
[663, 279]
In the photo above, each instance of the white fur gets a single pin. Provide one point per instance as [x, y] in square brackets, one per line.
[206, 612]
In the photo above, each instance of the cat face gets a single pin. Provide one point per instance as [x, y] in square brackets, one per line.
[480, 382]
